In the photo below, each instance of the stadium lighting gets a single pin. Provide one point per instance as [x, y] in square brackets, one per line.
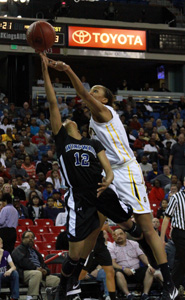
[22, 1]
[19, 17]
[3, 1]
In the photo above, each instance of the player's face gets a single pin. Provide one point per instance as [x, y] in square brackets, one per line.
[97, 91]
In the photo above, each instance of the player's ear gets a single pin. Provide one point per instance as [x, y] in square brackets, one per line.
[104, 101]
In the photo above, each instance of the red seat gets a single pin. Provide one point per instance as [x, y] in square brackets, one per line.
[154, 209]
[24, 202]
[44, 222]
[25, 222]
[17, 243]
[20, 229]
[38, 237]
[47, 246]
[38, 229]
[56, 229]
[44, 253]
[49, 237]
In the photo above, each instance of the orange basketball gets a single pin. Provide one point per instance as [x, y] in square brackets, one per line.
[41, 35]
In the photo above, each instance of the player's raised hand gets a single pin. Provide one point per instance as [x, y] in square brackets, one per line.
[57, 65]
[103, 185]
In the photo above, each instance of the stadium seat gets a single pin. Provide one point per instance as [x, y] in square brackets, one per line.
[47, 246]
[56, 229]
[20, 229]
[38, 237]
[44, 222]
[25, 222]
[49, 237]
[38, 229]
[17, 243]
[24, 202]
[44, 254]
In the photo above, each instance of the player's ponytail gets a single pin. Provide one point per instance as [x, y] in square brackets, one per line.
[109, 95]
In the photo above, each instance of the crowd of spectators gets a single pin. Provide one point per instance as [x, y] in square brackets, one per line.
[29, 170]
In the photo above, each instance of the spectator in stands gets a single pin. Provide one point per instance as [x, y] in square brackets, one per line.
[30, 148]
[156, 195]
[55, 179]
[174, 131]
[59, 203]
[50, 211]
[178, 119]
[21, 209]
[8, 223]
[19, 125]
[9, 146]
[154, 173]
[79, 117]
[22, 184]
[161, 129]
[42, 120]
[4, 173]
[173, 189]
[41, 182]
[181, 104]
[168, 138]
[33, 187]
[18, 170]
[8, 136]
[17, 142]
[146, 167]
[35, 209]
[25, 110]
[10, 160]
[151, 150]
[134, 123]
[7, 189]
[85, 83]
[29, 167]
[17, 192]
[129, 269]
[161, 210]
[8, 273]
[164, 178]
[34, 128]
[13, 111]
[146, 108]
[2, 152]
[1, 182]
[173, 181]
[177, 158]
[163, 88]
[44, 166]
[31, 195]
[31, 267]
[5, 124]
[39, 139]
[48, 191]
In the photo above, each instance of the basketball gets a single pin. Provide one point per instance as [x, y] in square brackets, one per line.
[40, 35]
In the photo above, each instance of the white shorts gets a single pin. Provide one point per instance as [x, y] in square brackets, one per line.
[130, 186]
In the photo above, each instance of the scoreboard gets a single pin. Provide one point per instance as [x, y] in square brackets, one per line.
[13, 31]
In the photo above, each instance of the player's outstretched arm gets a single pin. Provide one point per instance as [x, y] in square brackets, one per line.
[108, 171]
[55, 117]
[97, 108]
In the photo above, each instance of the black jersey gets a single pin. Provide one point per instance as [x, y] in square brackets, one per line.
[78, 160]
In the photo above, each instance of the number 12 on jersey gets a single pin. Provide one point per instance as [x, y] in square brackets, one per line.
[81, 160]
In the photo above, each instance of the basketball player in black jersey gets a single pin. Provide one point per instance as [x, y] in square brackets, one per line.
[81, 161]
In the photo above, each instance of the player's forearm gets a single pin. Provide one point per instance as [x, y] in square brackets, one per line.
[164, 227]
[77, 84]
[49, 89]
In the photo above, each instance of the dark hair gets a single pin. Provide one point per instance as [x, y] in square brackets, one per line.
[7, 197]
[24, 233]
[48, 183]
[40, 201]
[109, 95]
[18, 175]
[30, 196]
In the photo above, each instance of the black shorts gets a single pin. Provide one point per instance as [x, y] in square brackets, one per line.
[98, 257]
[110, 206]
[82, 216]
[138, 277]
